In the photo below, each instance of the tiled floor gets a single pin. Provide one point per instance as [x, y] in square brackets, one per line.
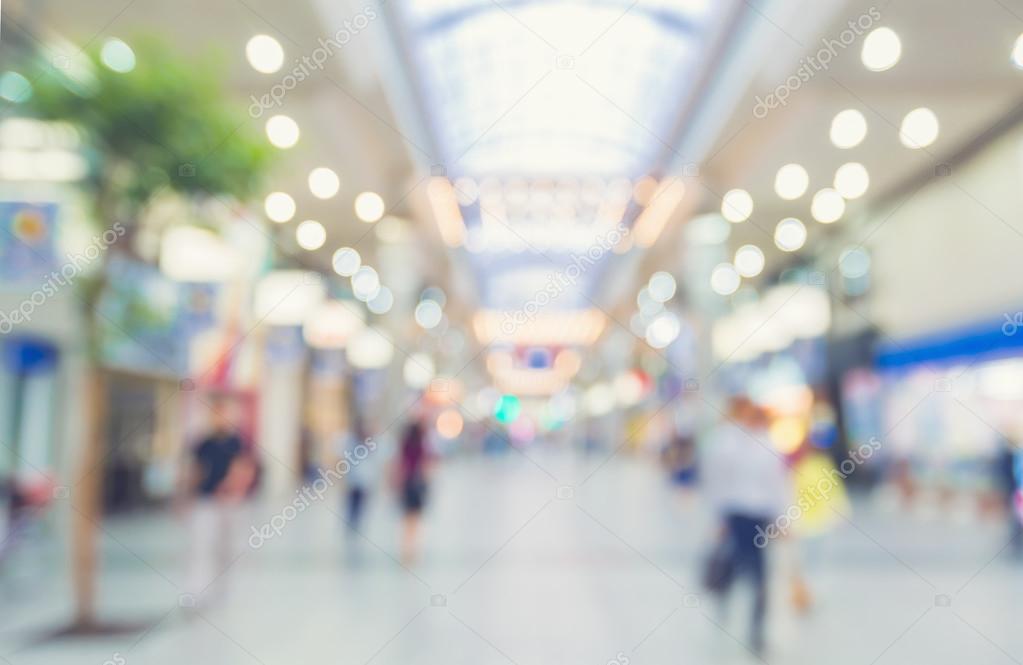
[515, 570]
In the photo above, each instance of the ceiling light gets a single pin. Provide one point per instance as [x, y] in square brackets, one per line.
[264, 54]
[346, 261]
[919, 128]
[310, 235]
[365, 283]
[428, 314]
[749, 261]
[848, 129]
[790, 234]
[382, 302]
[662, 286]
[1017, 52]
[852, 180]
[737, 205]
[323, 182]
[791, 181]
[279, 207]
[663, 330]
[881, 50]
[117, 55]
[854, 263]
[282, 131]
[725, 279]
[828, 206]
[369, 207]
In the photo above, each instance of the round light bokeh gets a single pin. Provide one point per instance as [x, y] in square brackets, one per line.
[663, 330]
[428, 314]
[854, 263]
[848, 129]
[346, 261]
[449, 423]
[369, 207]
[434, 293]
[919, 128]
[310, 235]
[882, 49]
[828, 206]
[282, 131]
[323, 182]
[265, 54]
[365, 283]
[790, 234]
[418, 371]
[749, 260]
[279, 207]
[382, 302]
[662, 286]
[117, 55]
[791, 182]
[725, 279]
[737, 205]
[852, 180]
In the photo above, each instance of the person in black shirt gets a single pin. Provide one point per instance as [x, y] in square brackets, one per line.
[221, 474]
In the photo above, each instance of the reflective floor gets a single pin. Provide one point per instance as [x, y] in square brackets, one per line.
[516, 570]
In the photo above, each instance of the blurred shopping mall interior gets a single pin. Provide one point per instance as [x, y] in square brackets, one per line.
[511, 331]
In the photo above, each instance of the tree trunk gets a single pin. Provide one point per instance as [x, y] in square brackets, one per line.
[87, 508]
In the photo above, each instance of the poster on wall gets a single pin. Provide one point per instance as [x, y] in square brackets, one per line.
[27, 240]
[141, 323]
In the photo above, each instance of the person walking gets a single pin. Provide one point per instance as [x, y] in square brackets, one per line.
[412, 469]
[747, 485]
[220, 475]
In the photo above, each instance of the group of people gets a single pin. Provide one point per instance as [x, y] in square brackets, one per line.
[223, 470]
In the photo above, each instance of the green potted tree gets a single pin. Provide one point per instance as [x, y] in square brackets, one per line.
[153, 124]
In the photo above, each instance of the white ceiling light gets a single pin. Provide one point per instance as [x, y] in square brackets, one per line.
[418, 371]
[882, 48]
[791, 181]
[725, 279]
[323, 182]
[848, 129]
[279, 207]
[1017, 52]
[662, 286]
[663, 330]
[828, 206]
[365, 283]
[428, 314]
[264, 54]
[790, 234]
[117, 55]
[749, 260]
[369, 207]
[737, 205]
[346, 261]
[382, 302]
[852, 180]
[854, 263]
[282, 131]
[310, 235]
[919, 128]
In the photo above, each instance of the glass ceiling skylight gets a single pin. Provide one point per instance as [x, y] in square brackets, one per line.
[549, 88]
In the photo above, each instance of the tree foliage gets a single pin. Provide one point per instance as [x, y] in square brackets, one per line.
[165, 124]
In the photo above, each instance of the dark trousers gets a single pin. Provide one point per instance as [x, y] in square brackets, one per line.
[749, 561]
[356, 505]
